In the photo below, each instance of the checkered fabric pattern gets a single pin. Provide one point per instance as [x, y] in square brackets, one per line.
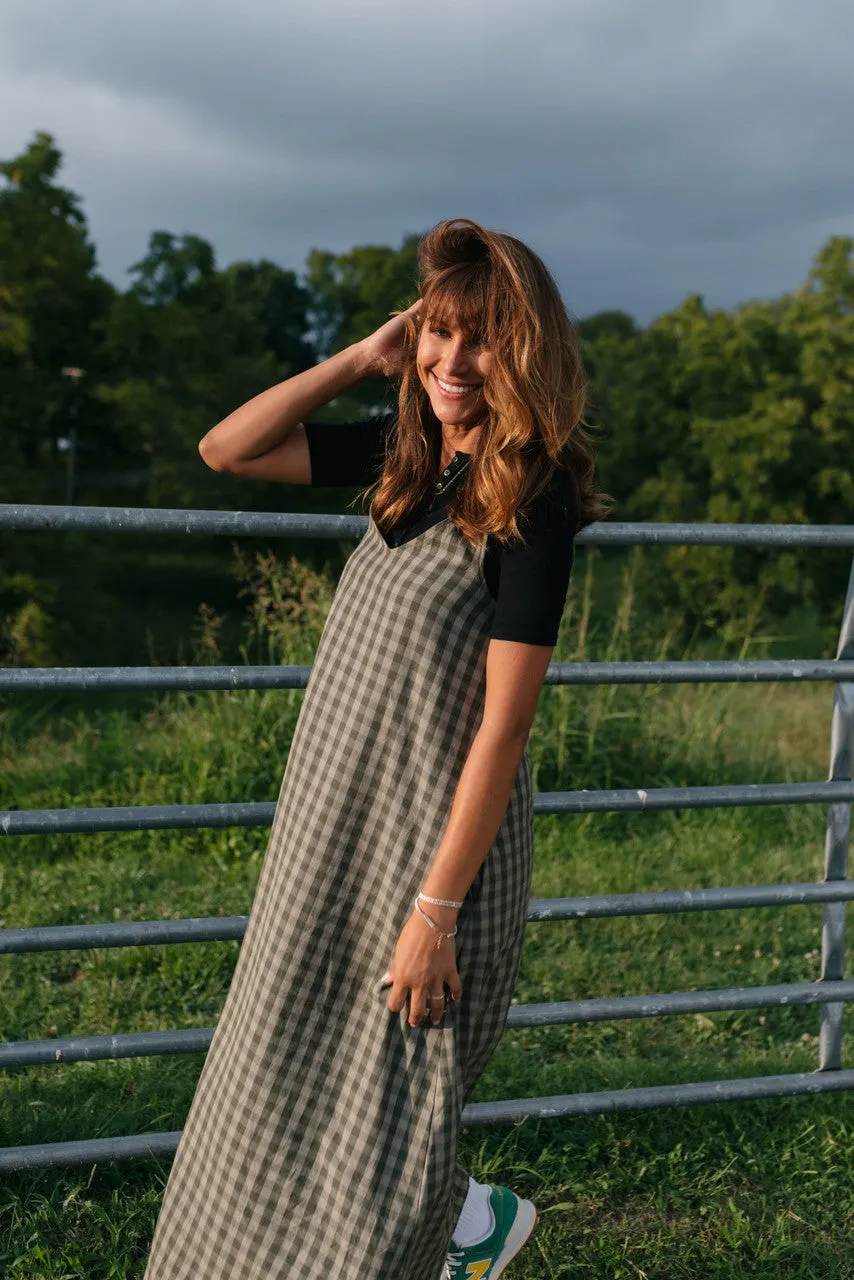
[322, 1137]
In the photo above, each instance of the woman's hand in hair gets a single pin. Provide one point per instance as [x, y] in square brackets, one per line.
[386, 348]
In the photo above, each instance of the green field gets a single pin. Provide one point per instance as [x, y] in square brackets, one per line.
[753, 1189]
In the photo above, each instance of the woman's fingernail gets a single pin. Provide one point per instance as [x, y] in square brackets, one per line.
[386, 977]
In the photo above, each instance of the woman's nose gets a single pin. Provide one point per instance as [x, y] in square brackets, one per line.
[456, 357]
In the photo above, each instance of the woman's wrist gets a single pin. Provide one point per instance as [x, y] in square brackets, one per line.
[344, 369]
[365, 363]
[444, 917]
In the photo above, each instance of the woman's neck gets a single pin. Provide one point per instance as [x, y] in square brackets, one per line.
[456, 440]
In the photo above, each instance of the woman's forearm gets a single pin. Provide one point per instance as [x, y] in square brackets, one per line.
[480, 803]
[267, 419]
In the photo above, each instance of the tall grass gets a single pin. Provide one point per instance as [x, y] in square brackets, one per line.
[743, 1190]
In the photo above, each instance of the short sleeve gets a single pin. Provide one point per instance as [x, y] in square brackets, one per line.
[347, 453]
[534, 577]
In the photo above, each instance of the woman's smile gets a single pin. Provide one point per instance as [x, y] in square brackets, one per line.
[456, 390]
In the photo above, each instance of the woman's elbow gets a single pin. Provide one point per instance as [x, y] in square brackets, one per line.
[211, 456]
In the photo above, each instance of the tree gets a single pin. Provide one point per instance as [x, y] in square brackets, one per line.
[171, 267]
[274, 301]
[351, 295]
[51, 302]
[734, 416]
[186, 344]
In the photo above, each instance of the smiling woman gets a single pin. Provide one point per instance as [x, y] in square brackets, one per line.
[384, 941]
[492, 355]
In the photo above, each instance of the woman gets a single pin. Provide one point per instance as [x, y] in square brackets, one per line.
[322, 1137]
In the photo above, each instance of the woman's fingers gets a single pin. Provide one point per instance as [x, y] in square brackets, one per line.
[417, 1005]
[397, 998]
[402, 991]
[420, 1003]
[436, 1007]
[426, 1003]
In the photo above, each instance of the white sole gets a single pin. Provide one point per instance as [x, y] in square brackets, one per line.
[523, 1225]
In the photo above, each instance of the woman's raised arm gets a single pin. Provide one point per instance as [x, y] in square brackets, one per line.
[260, 439]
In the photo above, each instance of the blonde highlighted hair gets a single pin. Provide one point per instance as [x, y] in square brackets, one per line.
[500, 293]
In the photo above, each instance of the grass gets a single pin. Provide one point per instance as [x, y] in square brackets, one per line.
[747, 1190]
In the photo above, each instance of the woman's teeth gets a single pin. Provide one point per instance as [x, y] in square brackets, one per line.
[457, 389]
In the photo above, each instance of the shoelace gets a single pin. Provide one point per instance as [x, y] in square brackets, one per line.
[453, 1261]
[452, 1264]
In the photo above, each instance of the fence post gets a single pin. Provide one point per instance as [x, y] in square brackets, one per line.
[836, 843]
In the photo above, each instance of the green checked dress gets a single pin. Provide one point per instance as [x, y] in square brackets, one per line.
[322, 1137]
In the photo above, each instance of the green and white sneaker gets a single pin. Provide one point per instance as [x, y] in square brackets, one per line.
[514, 1221]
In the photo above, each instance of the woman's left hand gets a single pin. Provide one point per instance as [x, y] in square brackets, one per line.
[421, 968]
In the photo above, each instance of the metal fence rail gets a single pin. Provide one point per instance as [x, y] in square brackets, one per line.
[831, 991]
[142, 1044]
[257, 813]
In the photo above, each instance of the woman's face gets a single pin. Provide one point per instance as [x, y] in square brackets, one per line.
[452, 372]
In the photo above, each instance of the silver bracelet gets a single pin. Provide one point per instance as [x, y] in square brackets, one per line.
[440, 902]
[434, 926]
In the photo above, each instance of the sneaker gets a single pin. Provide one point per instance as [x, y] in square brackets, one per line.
[514, 1221]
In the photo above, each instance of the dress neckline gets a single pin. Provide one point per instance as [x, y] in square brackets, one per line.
[437, 524]
[461, 456]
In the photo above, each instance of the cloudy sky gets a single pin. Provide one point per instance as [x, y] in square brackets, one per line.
[646, 148]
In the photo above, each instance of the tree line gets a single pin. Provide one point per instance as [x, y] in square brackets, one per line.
[739, 414]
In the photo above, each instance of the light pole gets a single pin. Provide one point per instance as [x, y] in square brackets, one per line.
[71, 371]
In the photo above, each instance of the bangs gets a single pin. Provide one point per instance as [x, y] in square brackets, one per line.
[462, 298]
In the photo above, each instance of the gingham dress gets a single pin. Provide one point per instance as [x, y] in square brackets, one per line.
[322, 1137]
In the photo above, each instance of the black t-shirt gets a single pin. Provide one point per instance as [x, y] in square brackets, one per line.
[527, 581]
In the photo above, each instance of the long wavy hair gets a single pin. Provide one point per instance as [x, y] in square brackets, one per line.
[501, 293]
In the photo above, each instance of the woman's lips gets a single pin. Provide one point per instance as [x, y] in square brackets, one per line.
[455, 391]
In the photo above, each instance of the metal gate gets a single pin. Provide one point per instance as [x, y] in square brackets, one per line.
[834, 889]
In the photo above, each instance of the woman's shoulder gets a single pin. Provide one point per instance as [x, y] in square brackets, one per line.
[557, 502]
[350, 452]
[547, 522]
[372, 424]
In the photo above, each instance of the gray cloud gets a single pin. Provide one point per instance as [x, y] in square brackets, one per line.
[645, 150]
